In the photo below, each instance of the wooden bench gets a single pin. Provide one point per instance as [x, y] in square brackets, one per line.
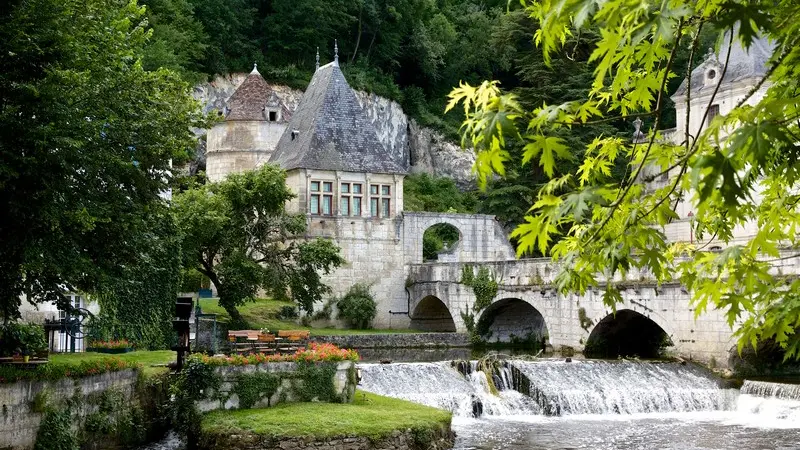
[292, 340]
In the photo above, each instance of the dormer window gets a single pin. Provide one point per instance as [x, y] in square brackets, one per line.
[711, 74]
[272, 115]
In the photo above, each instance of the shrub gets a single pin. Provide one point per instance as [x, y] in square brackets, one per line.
[112, 344]
[22, 338]
[357, 307]
[287, 313]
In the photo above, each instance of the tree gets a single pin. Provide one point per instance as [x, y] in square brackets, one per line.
[739, 169]
[238, 234]
[86, 139]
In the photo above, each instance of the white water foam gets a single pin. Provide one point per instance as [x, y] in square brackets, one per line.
[624, 387]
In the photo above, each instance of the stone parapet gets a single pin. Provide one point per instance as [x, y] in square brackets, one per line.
[397, 340]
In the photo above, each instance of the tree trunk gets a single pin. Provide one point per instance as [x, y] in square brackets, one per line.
[358, 40]
[237, 321]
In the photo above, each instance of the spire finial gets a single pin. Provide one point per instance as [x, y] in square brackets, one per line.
[638, 136]
[255, 68]
[317, 58]
[336, 51]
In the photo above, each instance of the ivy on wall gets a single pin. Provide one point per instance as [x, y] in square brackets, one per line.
[485, 287]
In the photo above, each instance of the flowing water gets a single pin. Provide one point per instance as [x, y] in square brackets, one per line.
[550, 404]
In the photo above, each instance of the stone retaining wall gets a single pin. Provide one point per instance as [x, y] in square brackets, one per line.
[289, 384]
[400, 340]
[19, 424]
[399, 440]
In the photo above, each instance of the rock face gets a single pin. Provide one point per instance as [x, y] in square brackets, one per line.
[424, 150]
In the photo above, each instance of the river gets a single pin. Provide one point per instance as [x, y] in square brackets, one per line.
[551, 404]
[590, 404]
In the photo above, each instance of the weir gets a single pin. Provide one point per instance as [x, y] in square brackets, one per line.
[551, 388]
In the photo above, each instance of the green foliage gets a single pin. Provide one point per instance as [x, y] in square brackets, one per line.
[252, 387]
[54, 371]
[485, 288]
[238, 234]
[55, 432]
[738, 170]
[117, 417]
[287, 312]
[467, 275]
[87, 136]
[316, 382]
[423, 192]
[357, 307]
[437, 238]
[326, 311]
[584, 320]
[21, 338]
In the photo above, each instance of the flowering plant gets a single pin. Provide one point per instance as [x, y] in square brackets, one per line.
[112, 344]
[315, 352]
[55, 371]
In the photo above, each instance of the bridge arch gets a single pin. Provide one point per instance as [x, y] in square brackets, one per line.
[515, 321]
[627, 333]
[431, 314]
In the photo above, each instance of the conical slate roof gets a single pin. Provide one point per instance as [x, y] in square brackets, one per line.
[329, 131]
[743, 64]
[250, 98]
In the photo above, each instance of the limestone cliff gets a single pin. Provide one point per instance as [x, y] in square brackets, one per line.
[424, 149]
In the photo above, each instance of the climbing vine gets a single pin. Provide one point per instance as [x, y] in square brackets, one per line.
[253, 387]
[317, 382]
[55, 431]
[485, 288]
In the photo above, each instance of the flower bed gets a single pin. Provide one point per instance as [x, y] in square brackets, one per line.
[314, 353]
[55, 371]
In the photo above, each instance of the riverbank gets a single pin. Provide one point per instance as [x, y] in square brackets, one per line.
[370, 421]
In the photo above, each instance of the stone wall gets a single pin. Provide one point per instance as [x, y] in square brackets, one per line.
[290, 383]
[531, 281]
[425, 150]
[398, 440]
[410, 340]
[19, 423]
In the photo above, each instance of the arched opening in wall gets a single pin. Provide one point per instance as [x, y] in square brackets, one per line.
[513, 322]
[626, 333]
[431, 314]
[439, 241]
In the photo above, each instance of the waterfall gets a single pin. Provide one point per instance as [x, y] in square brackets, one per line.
[463, 390]
[776, 404]
[621, 387]
[777, 390]
[550, 387]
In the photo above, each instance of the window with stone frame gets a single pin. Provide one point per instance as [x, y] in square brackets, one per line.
[380, 200]
[327, 198]
[350, 199]
[713, 111]
[76, 301]
[314, 198]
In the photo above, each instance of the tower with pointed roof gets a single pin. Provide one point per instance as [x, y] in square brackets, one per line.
[245, 139]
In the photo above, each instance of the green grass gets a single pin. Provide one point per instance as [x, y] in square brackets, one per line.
[146, 358]
[262, 314]
[369, 415]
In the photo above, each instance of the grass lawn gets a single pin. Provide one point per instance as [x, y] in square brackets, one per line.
[145, 358]
[262, 314]
[369, 415]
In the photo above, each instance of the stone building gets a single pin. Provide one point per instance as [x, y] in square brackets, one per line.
[253, 121]
[704, 95]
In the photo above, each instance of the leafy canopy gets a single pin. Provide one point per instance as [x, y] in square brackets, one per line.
[238, 234]
[87, 135]
[738, 169]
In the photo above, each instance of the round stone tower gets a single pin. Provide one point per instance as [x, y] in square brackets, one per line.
[255, 119]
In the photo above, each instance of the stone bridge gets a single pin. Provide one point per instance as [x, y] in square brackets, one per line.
[528, 307]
